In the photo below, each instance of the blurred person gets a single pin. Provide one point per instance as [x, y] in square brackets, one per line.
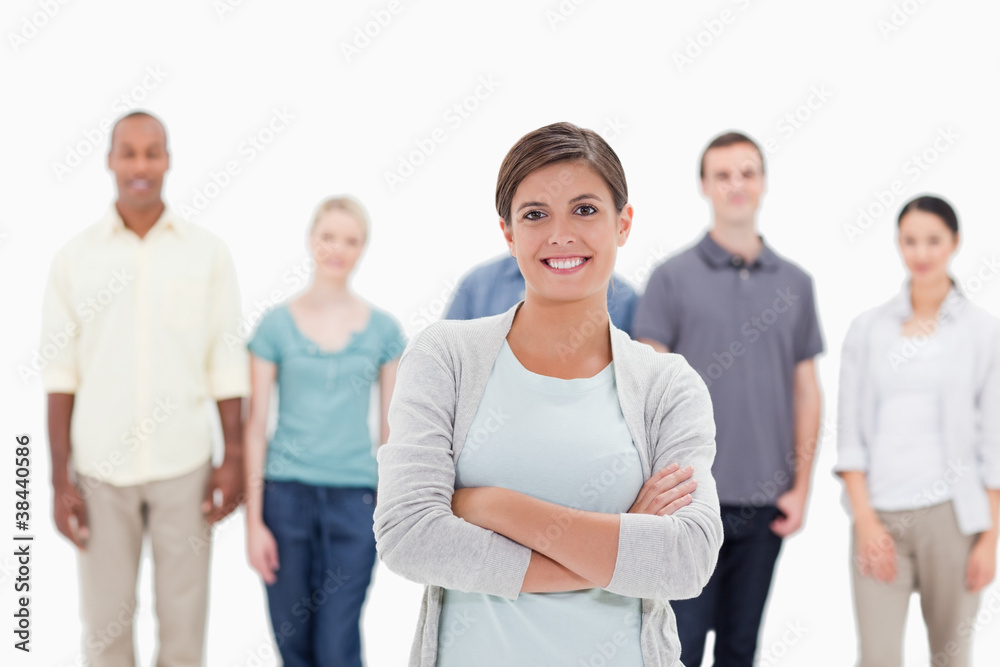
[149, 299]
[492, 288]
[918, 442]
[311, 489]
[745, 319]
[547, 477]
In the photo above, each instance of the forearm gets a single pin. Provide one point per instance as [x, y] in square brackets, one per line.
[994, 531]
[856, 483]
[584, 542]
[255, 455]
[808, 407]
[419, 537]
[60, 411]
[231, 417]
[545, 575]
[387, 382]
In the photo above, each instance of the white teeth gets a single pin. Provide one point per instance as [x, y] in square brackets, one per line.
[564, 263]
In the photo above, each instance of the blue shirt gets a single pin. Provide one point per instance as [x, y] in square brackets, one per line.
[566, 442]
[743, 327]
[322, 436]
[495, 287]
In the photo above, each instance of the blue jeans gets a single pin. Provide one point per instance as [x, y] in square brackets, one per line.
[326, 551]
[732, 603]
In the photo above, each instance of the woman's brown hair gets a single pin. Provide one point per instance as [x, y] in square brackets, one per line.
[559, 142]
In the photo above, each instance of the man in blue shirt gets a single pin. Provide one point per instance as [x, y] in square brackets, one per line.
[492, 288]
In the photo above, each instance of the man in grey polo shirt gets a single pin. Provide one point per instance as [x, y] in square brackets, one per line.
[745, 319]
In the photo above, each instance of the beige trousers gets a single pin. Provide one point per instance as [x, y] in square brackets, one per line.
[109, 566]
[931, 559]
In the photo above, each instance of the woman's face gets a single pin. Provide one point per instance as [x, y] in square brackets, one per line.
[565, 231]
[336, 240]
[926, 244]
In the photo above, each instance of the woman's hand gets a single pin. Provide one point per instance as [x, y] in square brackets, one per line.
[875, 550]
[665, 492]
[263, 551]
[982, 564]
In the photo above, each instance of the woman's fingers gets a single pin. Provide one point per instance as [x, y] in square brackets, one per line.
[683, 501]
[884, 563]
[664, 487]
[668, 498]
[645, 493]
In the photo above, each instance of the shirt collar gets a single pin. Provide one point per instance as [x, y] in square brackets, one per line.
[901, 305]
[113, 223]
[718, 257]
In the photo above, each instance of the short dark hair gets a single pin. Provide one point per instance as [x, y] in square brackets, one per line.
[931, 204]
[728, 139]
[559, 142]
[135, 114]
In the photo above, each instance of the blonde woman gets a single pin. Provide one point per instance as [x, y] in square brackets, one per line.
[309, 524]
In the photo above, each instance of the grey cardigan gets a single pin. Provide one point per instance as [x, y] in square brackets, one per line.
[971, 394]
[439, 384]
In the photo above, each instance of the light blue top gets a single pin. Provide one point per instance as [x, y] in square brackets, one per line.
[322, 435]
[566, 442]
[439, 385]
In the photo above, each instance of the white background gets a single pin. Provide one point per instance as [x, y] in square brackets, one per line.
[883, 97]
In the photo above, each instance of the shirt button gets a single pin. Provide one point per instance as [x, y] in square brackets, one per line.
[744, 274]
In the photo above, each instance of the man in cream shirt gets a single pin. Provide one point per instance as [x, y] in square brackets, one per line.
[146, 300]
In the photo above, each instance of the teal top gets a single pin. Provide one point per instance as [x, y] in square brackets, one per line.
[566, 442]
[322, 436]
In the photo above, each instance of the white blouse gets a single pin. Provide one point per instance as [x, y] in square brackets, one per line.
[909, 451]
[969, 405]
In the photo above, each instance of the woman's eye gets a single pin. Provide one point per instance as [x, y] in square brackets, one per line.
[533, 215]
[586, 209]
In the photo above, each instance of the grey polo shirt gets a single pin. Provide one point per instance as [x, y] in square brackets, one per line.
[743, 328]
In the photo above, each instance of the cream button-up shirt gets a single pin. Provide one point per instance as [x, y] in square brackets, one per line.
[145, 332]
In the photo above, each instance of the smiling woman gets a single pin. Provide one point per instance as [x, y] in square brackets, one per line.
[501, 425]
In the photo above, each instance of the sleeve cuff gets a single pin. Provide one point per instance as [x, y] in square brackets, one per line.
[634, 547]
[507, 565]
[59, 380]
[854, 459]
[229, 383]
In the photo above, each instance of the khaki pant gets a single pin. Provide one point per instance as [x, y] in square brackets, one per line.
[109, 567]
[931, 559]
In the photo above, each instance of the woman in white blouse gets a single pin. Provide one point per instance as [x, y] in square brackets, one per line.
[919, 449]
